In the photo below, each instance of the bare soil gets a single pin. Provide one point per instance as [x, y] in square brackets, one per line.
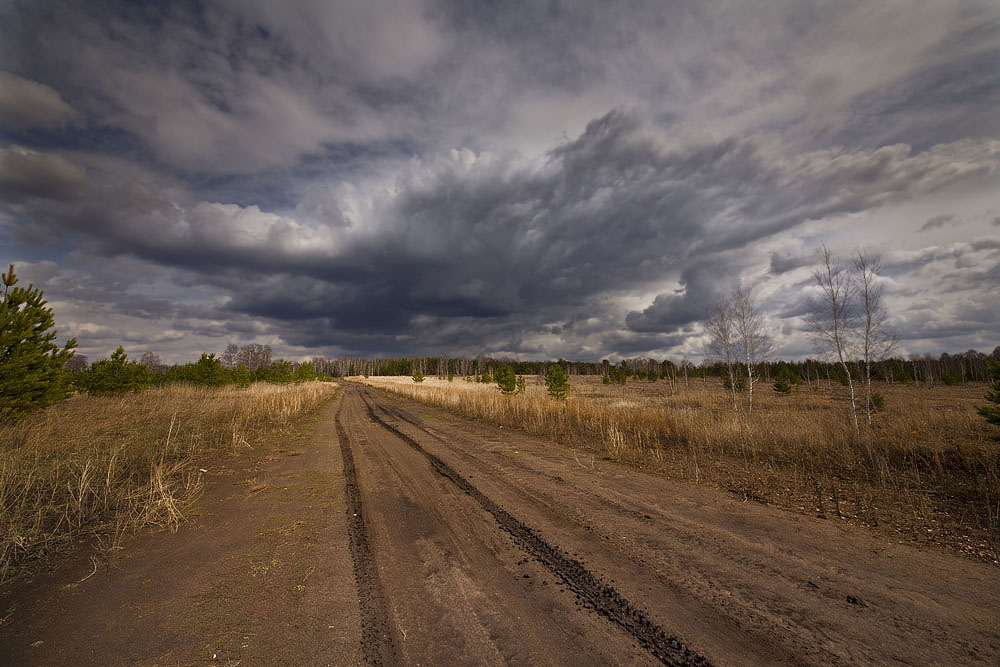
[401, 534]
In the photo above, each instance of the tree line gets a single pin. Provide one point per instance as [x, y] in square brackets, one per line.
[119, 374]
[848, 320]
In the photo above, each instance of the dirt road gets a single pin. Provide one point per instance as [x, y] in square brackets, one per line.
[467, 544]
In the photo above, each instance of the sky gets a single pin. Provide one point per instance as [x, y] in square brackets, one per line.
[525, 179]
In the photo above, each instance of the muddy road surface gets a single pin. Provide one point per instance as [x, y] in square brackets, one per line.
[400, 534]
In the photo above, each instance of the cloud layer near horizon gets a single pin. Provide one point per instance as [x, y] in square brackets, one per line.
[379, 178]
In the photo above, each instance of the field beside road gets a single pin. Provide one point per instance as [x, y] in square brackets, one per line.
[103, 467]
[377, 529]
[927, 471]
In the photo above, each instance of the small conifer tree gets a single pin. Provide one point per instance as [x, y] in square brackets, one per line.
[950, 377]
[506, 381]
[992, 412]
[279, 372]
[305, 372]
[31, 364]
[241, 376]
[783, 382]
[616, 375]
[418, 375]
[117, 375]
[557, 382]
[208, 370]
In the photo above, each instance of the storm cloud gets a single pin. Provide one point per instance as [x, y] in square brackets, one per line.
[27, 104]
[391, 178]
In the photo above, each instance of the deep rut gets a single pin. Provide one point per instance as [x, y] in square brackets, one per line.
[594, 594]
[376, 638]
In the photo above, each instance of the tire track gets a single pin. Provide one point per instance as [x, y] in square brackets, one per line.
[377, 644]
[595, 595]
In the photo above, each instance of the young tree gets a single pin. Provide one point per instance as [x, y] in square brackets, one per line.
[831, 317]
[754, 343]
[279, 372]
[992, 412]
[506, 381]
[783, 382]
[241, 376]
[305, 372]
[877, 338]
[722, 340]
[418, 376]
[117, 375]
[557, 382]
[31, 364]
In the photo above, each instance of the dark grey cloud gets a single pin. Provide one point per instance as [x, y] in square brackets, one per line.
[703, 282]
[559, 180]
[215, 90]
[504, 241]
[937, 222]
[26, 174]
[781, 263]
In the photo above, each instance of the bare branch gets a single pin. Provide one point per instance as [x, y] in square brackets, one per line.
[831, 318]
[722, 344]
[877, 339]
[751, 330]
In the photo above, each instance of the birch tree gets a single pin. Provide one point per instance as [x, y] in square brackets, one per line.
[754, 342]
[831, 317]
[877, 339]
[254, 356]
[722, 340]
[230, 356]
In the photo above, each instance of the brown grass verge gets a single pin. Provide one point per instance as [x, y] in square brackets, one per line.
[926, 471]
[108, 466]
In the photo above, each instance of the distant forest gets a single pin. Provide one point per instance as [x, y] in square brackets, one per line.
[924, 369]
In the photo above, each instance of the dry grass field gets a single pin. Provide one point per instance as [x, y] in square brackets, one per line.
[926, 471]
[107, 466]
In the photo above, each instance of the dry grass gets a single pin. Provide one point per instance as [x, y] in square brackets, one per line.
[927, 470]
[108, 466]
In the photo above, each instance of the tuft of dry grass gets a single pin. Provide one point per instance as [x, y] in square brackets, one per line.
[928, 466]
[108, 466]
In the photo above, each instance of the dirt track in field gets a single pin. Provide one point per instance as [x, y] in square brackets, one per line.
[401, 534]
